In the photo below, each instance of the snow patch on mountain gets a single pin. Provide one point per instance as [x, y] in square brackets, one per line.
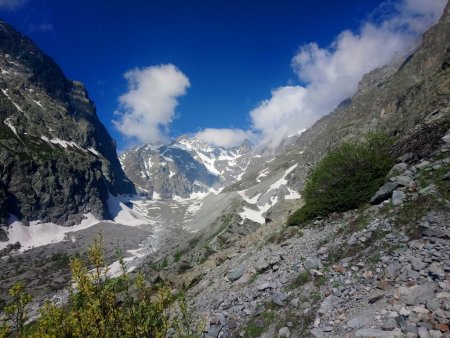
[266, 197]
[282, 181]
[262, 174]
[40, 233]
[5, 91]
[123, 214]
[10, 125]
[185, 167]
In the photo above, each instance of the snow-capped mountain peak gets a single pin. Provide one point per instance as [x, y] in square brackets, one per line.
[185, 166]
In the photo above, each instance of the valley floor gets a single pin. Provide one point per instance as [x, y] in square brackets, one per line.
[379, 271]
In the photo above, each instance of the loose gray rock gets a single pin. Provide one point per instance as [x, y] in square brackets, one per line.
[392, 270]
[236, 273]
[436, 271]
[411, 327]
[279, 298]
[403, 180]
[383, 193]
[423, 332]
[317, 333]
[312, 262]
[389, 324]
[398, 197]
[284, 332]
[329, 303]
[417, 293]
[263, 286]
[398, 168]
[422, 164]
[214, 330]
[432, 304]
[417, 263]
[261, 265]
[361, 320]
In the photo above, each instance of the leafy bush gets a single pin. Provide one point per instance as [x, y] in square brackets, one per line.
[100, 306]
[345, 178]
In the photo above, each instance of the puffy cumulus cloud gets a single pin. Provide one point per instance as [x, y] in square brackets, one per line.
[12, 4]
[273, 117]
[148, 108]
[332, 74]
[224, 137]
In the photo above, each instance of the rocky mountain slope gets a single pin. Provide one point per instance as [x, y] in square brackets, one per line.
[184, 167]
[379, 271]
[57, 160]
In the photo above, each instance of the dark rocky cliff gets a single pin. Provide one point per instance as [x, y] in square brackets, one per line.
[57, 160]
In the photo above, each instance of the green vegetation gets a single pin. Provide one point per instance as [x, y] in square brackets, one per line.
[303, 278]
[177, 256]
[336, 284]
[15, 311]
[259, 324]
[374, 259]
[253, 278]
[345, 179]
[61, 260]
[320, 281]
[100, 306]
[165, 263]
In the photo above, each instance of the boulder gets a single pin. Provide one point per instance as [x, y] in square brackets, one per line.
[392, 270]
[261, 265]
[416, 294]
[279, 298]
[284, 332]
[398, 197]
[236, 273]
[403, 180]
[312, 262]
[383, 193]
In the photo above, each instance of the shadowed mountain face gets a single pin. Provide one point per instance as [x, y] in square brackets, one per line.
[57, 160]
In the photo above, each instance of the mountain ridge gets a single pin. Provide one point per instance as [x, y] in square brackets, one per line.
[58, 161]
[185, 166]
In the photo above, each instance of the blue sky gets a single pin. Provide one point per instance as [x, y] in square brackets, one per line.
[238, 66]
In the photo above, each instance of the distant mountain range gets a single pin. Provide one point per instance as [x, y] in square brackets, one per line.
[184, 168]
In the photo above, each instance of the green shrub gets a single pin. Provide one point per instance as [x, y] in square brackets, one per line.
[177, 256]
[302, 278]
[345, 178]
[99, 306]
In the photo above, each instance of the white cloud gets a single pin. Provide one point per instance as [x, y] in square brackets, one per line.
[224, 137]
[332, 74]
[148, 108]
[12, 4]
